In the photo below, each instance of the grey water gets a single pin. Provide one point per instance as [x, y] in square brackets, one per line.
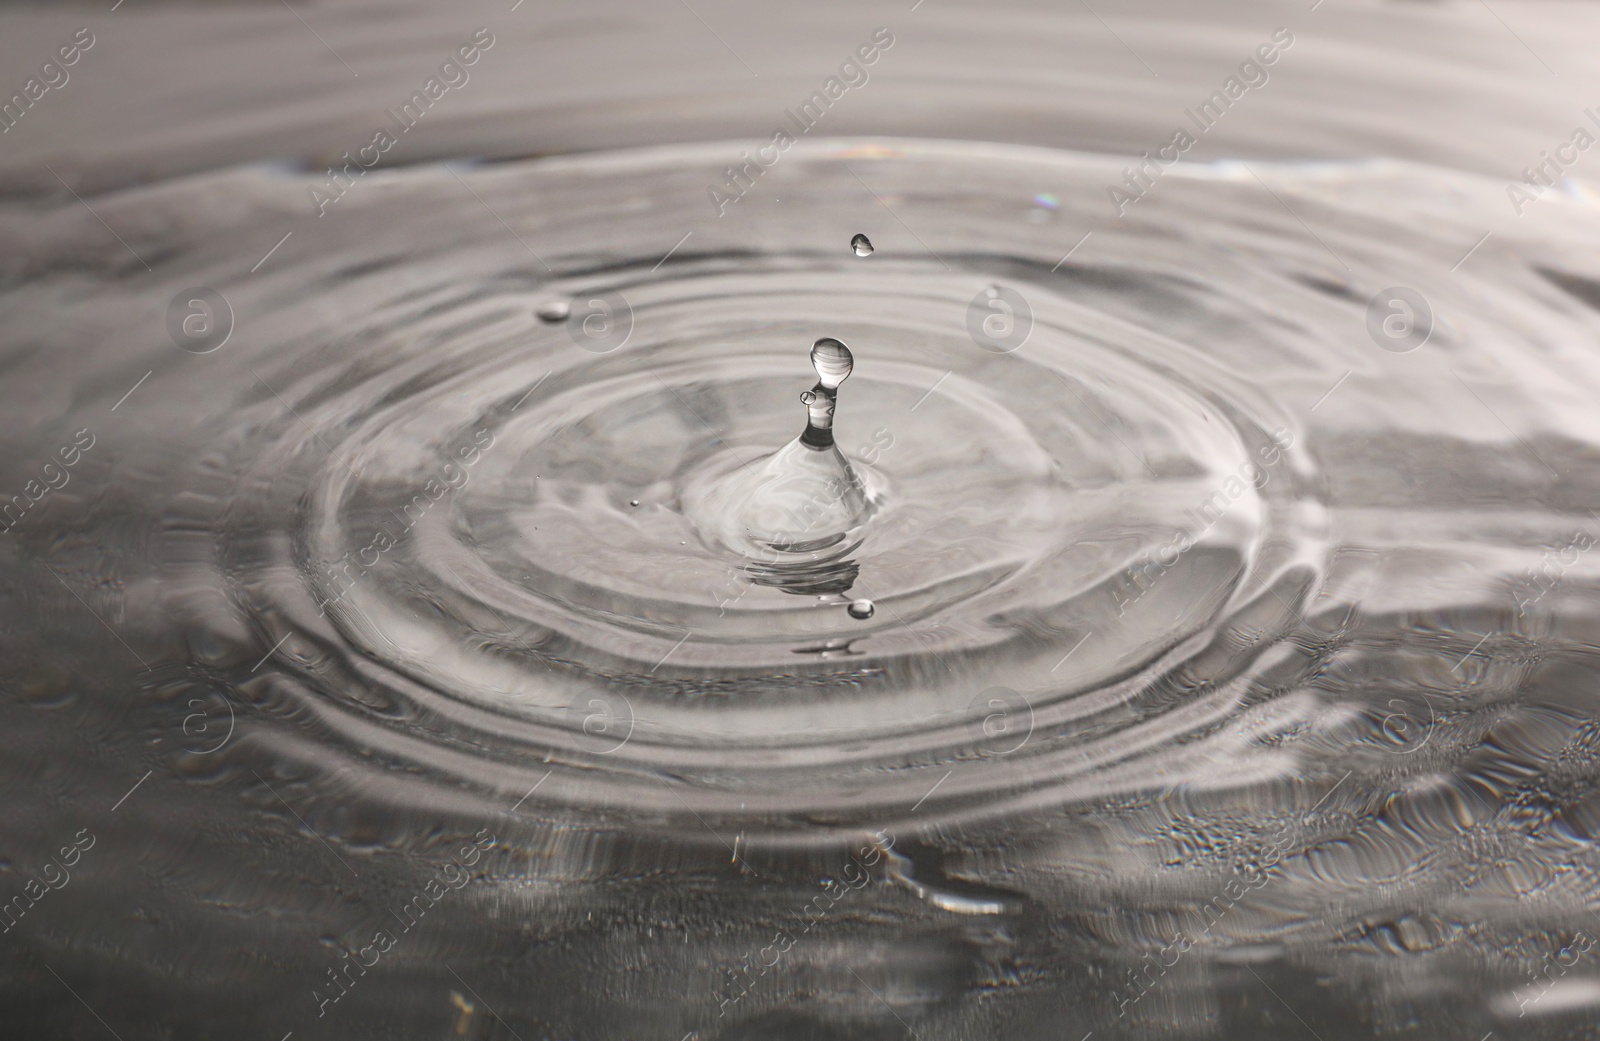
[426, 612]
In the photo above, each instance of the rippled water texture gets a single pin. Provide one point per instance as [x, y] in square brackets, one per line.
[414, 625]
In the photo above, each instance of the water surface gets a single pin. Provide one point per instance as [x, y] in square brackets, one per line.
[381, 660]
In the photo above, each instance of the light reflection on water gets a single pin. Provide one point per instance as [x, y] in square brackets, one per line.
[376, 667]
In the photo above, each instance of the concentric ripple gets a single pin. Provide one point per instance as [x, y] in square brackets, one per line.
[499, 518]
[475, 474]
[1160, 515]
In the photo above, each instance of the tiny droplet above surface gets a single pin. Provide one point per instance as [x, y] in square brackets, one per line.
[862, 245]
[832, 360]
[861, 609]
[633, 502]
[554, 311]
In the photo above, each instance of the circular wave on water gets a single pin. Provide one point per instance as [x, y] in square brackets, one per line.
[437, 514]
[495, 519]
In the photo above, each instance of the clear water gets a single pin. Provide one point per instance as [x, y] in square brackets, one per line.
[1196, 640]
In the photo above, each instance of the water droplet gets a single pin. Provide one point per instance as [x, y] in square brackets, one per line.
[861, 609]
[862, 245]
[633, 502]
[554, 311]
[833, 362]
[807, 397]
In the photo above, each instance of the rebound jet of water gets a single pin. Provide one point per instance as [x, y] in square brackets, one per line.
[796, 515]
[806, 497]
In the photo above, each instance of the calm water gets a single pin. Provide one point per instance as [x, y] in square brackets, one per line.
[412, 628]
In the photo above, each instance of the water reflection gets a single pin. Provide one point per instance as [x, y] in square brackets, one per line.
[373, 668]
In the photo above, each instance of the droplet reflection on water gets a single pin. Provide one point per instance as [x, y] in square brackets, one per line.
[553, 311]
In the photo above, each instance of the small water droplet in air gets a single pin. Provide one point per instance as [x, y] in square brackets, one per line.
[554, 311]
[832, 360]
[807, 397]
[861, 609]
[862, 245]
[633, 502]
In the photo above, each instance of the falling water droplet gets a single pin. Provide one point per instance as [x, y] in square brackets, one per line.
[833, 362]
[862, 245]
[861, 609]
[633, 502]
[554, 311]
